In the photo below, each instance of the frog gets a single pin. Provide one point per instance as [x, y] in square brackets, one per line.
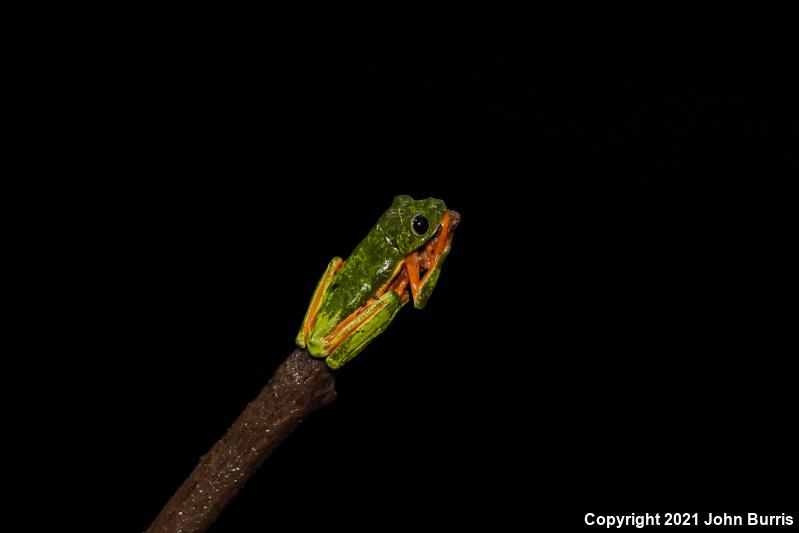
[398, 261]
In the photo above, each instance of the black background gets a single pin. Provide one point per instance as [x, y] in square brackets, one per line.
[604, 338]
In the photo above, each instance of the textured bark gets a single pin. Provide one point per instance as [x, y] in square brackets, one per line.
[298, 387]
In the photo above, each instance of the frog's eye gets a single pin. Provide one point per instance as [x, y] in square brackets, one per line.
[420, 224]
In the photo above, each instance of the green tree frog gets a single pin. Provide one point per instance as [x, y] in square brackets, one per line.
[400, 259]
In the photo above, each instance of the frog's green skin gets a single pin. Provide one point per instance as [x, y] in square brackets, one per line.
[373, 263]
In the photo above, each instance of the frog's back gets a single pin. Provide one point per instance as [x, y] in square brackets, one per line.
[370, 266]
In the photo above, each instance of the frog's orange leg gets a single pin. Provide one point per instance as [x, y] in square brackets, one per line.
[444, 238]
[333, 267]
[345, 328]
[429, 259]
[400, 285]
[350, 325]
[412, 269]
[370, 322]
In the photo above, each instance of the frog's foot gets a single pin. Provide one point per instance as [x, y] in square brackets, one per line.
[333, 267]
[424, 267]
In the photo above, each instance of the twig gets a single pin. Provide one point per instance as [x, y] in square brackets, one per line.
[298, 387]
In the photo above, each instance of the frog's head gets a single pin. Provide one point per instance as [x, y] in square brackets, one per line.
[410, 223]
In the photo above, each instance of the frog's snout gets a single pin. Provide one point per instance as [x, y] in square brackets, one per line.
[454, 219]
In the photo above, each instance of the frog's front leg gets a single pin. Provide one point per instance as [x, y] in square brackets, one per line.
[321, 290]
[431, 259]
[360, 328]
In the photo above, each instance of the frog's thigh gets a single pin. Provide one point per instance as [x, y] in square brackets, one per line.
[369, 325]
[318, 297]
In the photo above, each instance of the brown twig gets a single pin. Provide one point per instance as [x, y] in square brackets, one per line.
[298, 387]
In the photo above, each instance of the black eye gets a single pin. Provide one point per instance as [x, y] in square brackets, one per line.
[420, 224]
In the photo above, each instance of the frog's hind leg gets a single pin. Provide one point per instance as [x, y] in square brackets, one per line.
[360, 328]
[322, 287]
